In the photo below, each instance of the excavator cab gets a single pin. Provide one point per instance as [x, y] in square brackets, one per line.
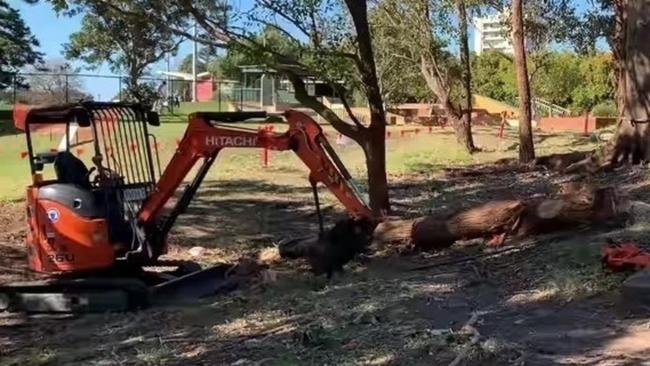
[83, 217]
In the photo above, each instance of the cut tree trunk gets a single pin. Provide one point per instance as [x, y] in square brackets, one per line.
[526, 147]
[572, 207]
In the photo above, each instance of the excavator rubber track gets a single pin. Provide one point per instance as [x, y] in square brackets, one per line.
[113, 294]
[83, 295]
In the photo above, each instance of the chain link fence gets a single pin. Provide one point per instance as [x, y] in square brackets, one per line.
[167, 95]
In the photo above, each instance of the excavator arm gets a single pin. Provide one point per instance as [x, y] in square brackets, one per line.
[206, 135]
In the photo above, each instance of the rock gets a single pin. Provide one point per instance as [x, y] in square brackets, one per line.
[196, 251]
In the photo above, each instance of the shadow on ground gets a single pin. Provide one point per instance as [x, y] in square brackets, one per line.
[546, 302]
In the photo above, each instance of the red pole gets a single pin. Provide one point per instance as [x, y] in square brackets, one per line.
[266, 154]
[586, 132]
[503, 124]
[430, 129]
[387, 134]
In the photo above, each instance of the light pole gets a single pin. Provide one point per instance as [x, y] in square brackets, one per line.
[194, 54]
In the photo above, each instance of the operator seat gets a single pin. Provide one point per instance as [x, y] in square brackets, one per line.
[70, 169]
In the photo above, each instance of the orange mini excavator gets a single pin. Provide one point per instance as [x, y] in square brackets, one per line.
[108, 216]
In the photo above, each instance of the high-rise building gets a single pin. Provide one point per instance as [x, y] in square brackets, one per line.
[491, 34]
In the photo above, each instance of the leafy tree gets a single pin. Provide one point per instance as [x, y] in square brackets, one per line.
[400, 81]
[574, 81]
[493, 75]
[561, 75]
[128, 45]
[17, 43]
[596, 74]
[145, 93]
[416, 33]
[206, 60]
[605, 19]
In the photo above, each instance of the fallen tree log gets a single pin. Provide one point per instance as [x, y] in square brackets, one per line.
[572, 207]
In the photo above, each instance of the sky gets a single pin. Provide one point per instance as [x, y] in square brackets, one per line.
[53, 31]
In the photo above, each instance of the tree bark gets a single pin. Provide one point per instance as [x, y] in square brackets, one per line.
[631, 51]
[464, 124]
[375, 152]
[376, 145]
[526, 148]
[572, 206]
[618, 44]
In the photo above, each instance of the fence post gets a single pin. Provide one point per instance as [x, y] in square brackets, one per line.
[219, 95]
[67, 94]
[241, 98]
[15, 86]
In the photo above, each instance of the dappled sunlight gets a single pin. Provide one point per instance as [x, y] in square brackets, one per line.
[631, 341]
[254, 324]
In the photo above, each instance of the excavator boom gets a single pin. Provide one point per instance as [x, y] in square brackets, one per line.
[206, 135]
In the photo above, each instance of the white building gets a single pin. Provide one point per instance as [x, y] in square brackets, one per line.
[491, 34]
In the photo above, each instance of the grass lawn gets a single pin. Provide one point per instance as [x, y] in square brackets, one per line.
[424, 153]
[186, 108]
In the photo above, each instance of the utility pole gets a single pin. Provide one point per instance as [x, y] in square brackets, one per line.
[194, 54]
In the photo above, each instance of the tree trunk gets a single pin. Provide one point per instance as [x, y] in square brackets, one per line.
[464, 127]
[573, 206]
[463, 130]
[376, 163]
[631, 51]
[440, 88]
[618, 45]
[376, 144]
[526, 148]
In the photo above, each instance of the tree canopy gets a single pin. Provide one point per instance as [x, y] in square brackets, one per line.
[576, 82]
[128, 44]
[17, 44]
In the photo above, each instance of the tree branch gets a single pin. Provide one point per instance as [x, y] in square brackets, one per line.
[339, 90]
[307, 100]
[269, 5]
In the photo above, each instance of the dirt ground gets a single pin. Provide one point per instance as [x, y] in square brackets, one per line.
[545, 302]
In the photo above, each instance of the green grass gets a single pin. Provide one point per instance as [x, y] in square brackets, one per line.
[414, 154]
[211, 106]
